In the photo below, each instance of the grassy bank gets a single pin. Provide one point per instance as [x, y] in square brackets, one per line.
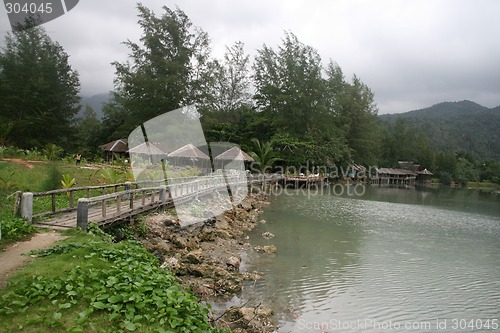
[33, 175]
[89, 284]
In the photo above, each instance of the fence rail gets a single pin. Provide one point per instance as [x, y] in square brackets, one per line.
[128, 199]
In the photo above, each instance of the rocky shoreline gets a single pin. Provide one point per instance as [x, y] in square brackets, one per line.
[207, 259]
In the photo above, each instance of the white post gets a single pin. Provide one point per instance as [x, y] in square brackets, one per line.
[82, 213]
[27, 207]
[163, 195]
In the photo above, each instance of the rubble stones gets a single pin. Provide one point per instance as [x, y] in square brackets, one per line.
[205, 257]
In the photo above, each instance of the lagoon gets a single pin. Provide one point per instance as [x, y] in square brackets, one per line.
[378, 259]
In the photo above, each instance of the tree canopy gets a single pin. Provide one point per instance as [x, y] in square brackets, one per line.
[38, 90]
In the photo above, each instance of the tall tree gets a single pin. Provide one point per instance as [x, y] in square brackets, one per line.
[358, 117]
[230, 100]
[163, 73]
[38, 90]
[88, 129]
[289, 85]
[233, 82]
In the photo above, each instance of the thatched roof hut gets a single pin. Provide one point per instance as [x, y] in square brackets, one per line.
[147, 148]
[233, 158]
[118, 147]
[190, 155]
[189, 151]
[424, 176]
[148, 151]
[234, 154]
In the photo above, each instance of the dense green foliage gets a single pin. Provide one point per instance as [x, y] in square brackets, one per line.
[116, 287]
[38, 90]
[12, 229]
[305, 111]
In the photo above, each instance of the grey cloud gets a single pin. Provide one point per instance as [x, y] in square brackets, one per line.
[411, 53]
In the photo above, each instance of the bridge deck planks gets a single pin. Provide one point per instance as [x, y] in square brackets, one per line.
[68, 220]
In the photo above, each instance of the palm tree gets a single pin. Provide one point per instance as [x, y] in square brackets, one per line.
[52, 151]
[263, 154]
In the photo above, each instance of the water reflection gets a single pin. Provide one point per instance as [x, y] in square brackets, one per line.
[391, 255]
[317, 247]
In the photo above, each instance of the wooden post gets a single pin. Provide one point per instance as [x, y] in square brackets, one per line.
[27, 206]
[82, 213]
[103, 208]
[119, 205]
[53, 202]
[71, 199]
[17, 204]
[127, 188]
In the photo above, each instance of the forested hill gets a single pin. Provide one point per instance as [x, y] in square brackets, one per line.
[457, 126]
[95, 102]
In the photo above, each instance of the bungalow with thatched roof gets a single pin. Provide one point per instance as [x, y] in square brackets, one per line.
[148, 151]
[190, 155]
[230, 155]
[115, 148]
[424, 176]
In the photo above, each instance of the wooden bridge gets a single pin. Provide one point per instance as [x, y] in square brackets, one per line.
[107, 205]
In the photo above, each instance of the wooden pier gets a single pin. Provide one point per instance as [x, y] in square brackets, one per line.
[304, 181]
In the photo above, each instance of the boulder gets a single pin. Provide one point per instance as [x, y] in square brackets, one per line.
[194, 257]
[269, 249]
[234, 262]
[267, 235]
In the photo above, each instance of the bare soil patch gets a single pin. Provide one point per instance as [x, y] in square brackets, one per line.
[12, 257]
[27, 164]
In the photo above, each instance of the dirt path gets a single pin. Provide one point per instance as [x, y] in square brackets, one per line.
[12, 258]
[20, 162]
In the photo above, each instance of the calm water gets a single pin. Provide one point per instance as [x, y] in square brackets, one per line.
[391, 260]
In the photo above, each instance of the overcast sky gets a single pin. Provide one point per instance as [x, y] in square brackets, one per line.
[411, 53]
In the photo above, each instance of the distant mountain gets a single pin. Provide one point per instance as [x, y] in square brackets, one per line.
[96, 102]
[457, 126]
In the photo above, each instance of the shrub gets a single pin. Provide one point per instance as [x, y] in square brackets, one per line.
[15, 228]
[52, 151]
[7, 184]
[67, 181]
[53, 180]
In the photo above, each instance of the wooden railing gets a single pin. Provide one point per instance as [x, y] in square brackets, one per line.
[28, 207]
[123, 204]
[125, 196]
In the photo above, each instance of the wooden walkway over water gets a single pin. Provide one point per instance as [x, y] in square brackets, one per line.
[108, 205]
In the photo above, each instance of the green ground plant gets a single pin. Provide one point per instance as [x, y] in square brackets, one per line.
[67, 181]
[86, 284]
[7, 184]
[12, 229]
[52, 151]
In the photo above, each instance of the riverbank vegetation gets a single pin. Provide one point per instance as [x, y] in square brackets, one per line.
[29, 172]
[88, 283]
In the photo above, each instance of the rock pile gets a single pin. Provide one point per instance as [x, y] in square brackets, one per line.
[206, 257]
